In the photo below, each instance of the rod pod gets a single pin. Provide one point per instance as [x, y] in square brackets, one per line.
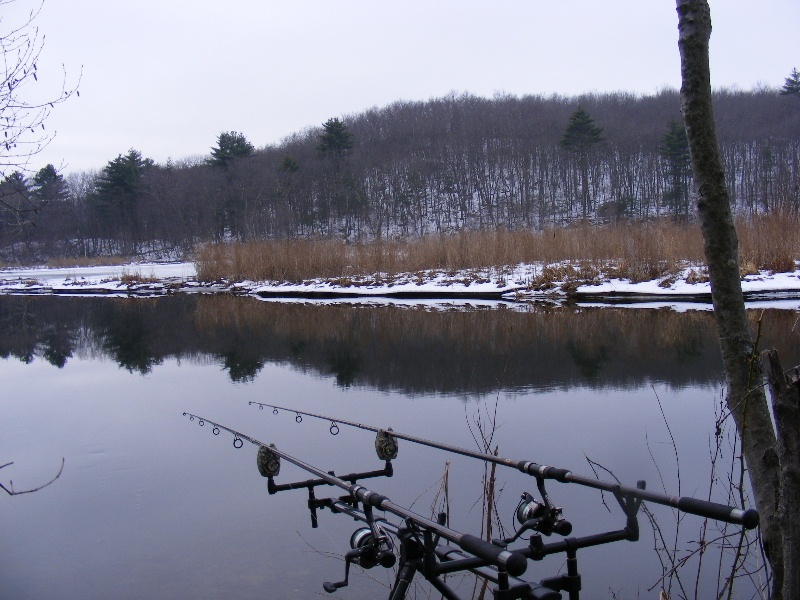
[748, 518]
[514, 563]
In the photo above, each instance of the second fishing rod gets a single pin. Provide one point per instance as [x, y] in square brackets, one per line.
[748, 518]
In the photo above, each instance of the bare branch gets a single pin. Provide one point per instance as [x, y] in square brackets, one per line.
[22, 113]
[12, 492]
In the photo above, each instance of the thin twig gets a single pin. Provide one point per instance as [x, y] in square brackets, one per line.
[12, 492]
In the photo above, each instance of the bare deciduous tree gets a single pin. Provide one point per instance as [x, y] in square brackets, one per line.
[746, 398]
[23, 110]
[23, 113]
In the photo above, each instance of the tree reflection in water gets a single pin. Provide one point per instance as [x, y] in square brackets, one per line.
[414, 350]
[148, 504]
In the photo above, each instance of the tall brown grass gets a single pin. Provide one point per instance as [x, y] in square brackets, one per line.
[639, 251]
[770, 242]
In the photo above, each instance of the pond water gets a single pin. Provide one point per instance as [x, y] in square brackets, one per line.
[151, 505]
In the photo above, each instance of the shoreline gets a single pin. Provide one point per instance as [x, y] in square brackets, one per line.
[512, 287]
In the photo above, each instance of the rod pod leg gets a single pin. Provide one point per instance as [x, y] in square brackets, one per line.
[404, 577]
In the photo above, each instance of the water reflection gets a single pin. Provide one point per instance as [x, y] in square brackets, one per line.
[158, 509]
[413, 350]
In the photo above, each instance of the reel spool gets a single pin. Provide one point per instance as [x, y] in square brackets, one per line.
[529, 508]
[369, 555]
[541, 516]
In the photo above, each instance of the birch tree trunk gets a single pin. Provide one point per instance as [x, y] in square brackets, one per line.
[746, 398]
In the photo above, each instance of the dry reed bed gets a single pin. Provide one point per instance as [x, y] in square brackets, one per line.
[637, 251]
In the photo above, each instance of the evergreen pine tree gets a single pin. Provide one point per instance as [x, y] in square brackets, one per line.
[49, 185]
[231, 145]
[121, 175]
[581, 132]
[674, 149]
[288, 165]
[16, 183]
[231, 210]
[117, 195]
[791, 86]
[18, 214]
[15, 207]
[49, 194]
[335, 140]
[579, 137]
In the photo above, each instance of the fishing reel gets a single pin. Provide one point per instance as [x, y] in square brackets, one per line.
[374, 550]
[540, 516]
[371, 546]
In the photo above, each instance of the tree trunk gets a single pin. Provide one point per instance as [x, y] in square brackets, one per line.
[746, 398]
[584, 162]
[785, 393]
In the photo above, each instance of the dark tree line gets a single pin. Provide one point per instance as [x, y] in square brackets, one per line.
[415, 168]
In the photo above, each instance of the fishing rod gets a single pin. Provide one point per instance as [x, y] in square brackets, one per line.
[748, 518]
[512, 562]
[418, 537]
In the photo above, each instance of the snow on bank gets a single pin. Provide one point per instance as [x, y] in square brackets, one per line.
[152, 279]
[123, 279]
[762, 283]
[99, 273]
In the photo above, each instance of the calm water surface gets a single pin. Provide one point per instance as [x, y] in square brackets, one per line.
[152, 506]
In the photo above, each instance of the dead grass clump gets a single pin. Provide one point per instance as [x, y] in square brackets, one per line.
[747, 267]
[697, 276]
[137, 278]
[552, 275]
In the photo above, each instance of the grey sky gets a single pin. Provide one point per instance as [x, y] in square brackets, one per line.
[167, 76]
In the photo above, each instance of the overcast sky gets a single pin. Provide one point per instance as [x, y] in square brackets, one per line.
[167, 76]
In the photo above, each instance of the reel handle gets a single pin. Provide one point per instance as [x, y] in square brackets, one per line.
[348, 558]
[332, 587]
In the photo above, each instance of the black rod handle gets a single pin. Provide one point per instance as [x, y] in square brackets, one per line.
[513, 562]
[747, 518]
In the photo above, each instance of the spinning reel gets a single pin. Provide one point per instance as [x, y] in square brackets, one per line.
[541, 516]
[368, 550]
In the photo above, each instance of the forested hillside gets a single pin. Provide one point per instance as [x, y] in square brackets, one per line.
[414, 168]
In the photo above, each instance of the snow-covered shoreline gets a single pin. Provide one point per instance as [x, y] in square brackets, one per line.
[507, 285]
